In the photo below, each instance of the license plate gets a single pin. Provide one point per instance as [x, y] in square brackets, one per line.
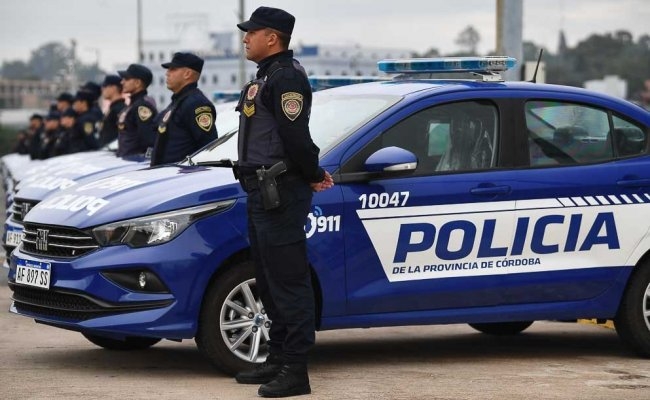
[14, 238]
[33, 273]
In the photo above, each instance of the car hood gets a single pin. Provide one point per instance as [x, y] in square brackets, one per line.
[60, 176]
[136, 194]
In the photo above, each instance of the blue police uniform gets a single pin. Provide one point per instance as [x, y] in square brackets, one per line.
[82, 136]
[108, 128]
[274, 126]
[136, 125]
[186, 125]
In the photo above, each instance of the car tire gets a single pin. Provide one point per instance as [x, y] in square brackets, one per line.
[233, 328]
[502, 328]
[632, 321]
[129, 343]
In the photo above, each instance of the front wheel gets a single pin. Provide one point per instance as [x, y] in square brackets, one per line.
[633, 319]
[502, 328]
[233, 326]
[129, 343]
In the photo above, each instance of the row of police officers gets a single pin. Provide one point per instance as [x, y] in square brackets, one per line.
[76, 123]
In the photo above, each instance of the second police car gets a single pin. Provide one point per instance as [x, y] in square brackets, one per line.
[457, 201]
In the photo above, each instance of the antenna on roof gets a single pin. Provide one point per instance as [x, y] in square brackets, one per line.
[539, 58]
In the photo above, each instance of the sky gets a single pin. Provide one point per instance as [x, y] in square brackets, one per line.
[106, 30]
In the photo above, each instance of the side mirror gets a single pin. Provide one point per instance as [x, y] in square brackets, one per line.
[391, 159]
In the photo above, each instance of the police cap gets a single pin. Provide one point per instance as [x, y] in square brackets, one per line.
[36, 116]
[84, 95]
[69, 112]
[52, 115]
[91, 87]
[269, 17]
[65, 96]
[188, 60]
[137, 71]
[112, 80]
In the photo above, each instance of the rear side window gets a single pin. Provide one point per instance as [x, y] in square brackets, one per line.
[567, 133]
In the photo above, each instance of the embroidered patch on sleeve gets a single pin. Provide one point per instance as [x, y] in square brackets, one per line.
[89, 128]
[144, 113]
[204, 121]
[202, 109]
[292, 104]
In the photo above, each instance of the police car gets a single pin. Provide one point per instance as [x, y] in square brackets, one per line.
[457, 201]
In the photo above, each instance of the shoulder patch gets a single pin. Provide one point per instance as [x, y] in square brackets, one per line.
[89, 127]
[252, 91]
[204, 121]
[202, 109]
[292, 104]
[144, 113]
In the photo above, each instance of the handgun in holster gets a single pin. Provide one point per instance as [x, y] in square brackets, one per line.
[268, 185]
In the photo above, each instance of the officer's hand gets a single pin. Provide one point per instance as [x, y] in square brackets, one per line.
[325, 184]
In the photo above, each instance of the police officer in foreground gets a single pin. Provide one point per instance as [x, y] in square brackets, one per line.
[135, 123]
[188, 123]
[111, 92]
[278, 168]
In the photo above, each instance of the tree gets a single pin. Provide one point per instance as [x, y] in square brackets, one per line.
[468, 39]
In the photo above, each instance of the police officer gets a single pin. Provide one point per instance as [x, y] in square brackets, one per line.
[62, 142]
[82, 137]
[136, 122]
[34, 135]
[188, 123]
[95, 91]
[112, 92]
[64, 101]
[274, 116]
[51, 134]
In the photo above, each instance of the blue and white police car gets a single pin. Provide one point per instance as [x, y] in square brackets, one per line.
[457, 201]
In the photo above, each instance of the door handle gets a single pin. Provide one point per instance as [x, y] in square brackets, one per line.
[491, 190]
[633, 182]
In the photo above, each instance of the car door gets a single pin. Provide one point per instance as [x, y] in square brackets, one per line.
[582, 202]
[426, 238]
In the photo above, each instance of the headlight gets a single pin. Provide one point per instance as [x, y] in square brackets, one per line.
[155, 229]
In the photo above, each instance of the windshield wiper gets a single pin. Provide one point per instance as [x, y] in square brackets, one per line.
[226, 162]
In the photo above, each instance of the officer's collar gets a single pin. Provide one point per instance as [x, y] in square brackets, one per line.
[264, 65]
[187, 88]
[141, 93]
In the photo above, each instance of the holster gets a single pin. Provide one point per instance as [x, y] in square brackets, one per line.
[268, 185]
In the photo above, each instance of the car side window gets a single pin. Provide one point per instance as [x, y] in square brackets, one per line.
[451, 137]
[562, 133]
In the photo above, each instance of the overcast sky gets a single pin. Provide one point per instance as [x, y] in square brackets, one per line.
[106, 30]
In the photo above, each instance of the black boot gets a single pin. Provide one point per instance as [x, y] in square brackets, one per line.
[292, 380]
[263, 373]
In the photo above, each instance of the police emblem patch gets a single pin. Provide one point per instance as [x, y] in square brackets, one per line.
[249, 110]
[144, 113]
[204, 121]
[252, 91]
[89, 127]
[292, 104]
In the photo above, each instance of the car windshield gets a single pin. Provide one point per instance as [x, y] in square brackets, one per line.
[333, 118]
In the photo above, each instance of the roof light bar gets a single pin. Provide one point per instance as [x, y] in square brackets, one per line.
[330, 81]
[487, 64]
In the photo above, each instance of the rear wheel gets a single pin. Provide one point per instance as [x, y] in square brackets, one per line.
[233, 326]
[502, 328]
[129, 343]
[633, 319]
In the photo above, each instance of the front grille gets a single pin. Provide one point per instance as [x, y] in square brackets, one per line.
[56, 241]
[20, 208]
[70, 305]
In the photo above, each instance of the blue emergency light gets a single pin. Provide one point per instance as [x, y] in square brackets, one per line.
[318, 82]
[480, 65]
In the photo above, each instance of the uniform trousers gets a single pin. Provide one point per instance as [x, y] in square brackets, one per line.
[278, 250]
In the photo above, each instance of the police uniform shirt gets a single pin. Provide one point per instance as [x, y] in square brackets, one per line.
[136, 125]
[83, 133]
[108, 127]
[48, 143]
[185, 126]
[287, 95]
